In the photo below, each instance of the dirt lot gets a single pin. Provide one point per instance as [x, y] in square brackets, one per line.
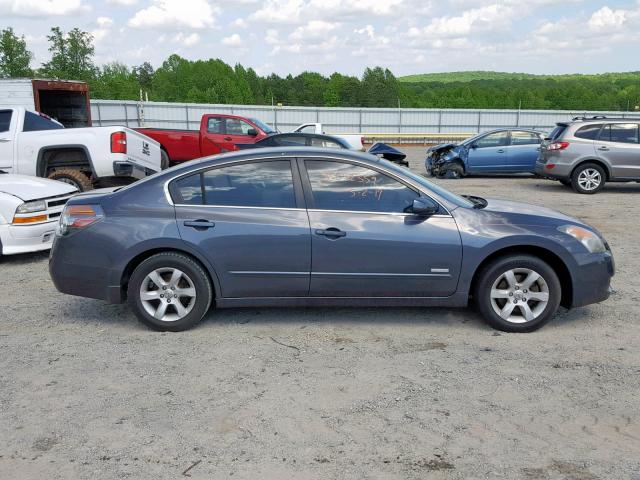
[87, 392]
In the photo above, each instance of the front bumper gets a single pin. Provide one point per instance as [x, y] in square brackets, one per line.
[26, 238]
[592, 279]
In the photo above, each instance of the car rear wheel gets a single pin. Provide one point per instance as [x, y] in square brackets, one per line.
[169, 292]
[588, 178]
[164, 160]
[518, 293]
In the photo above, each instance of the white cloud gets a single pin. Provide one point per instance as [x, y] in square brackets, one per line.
[233, 41]
[175, 14]
[187, 40]
[368, 30]
[348, 7]
[470, 21]
[122, 3]
[279, 11]
[239, 23]
[41, 8]
[313, 30]
[104, 21]
[605, 19]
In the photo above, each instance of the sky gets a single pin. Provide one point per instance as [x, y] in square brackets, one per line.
[291, 36]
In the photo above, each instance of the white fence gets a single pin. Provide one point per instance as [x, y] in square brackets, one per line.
[335, 120]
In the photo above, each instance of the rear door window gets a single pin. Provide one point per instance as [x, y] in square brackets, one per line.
[256, 184]
[588, 132]
[620, 133]
[5, 120]
[349, 187]
[524, 138]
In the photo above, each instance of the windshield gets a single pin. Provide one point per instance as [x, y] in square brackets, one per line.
[263, 126]
[438, 190]
[472, 139]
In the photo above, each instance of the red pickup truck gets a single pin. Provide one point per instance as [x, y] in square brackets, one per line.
[218, 133]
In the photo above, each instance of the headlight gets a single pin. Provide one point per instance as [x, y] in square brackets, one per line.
[590, 240]
[30, 207]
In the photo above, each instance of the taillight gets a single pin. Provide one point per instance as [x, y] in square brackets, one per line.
[118, 142]
[557, 146]
[77, 217]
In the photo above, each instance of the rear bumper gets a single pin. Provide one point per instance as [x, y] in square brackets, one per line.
[592, 279]
[552, 170]
[129, 169]
[26, 238]
[75, 273]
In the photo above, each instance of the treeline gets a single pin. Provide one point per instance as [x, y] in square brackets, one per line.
[214, 81]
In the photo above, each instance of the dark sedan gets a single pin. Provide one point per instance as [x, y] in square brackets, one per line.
[306, 226]
[297, 139]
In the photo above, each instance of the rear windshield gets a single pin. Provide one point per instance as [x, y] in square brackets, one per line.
[558, 131]
[589, 132]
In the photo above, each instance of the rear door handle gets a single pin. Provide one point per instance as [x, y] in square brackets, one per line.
[5, 140]
[199, 224]
[603, 148]
[331, 233]
[501, 150]
[228, 139]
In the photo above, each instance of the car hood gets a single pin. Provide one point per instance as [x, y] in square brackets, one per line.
[28, 188]
[525, 209]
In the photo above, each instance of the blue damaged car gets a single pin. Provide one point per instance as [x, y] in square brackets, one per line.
[495, 152]
[303, 226]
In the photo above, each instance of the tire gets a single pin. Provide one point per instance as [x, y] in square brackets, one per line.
[192, 280]
[495, 276]
[580, 176]
[164, 160]
[453, 172]
[72, 177]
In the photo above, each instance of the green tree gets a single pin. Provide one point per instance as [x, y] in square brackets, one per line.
[14, 56]
[144, 74]
[71, 55]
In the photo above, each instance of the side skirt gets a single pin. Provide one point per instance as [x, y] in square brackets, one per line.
[455, 300]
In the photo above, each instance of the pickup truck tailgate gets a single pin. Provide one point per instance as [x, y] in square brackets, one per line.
[142, 150]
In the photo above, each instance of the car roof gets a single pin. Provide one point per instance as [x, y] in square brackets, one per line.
[274, 152]
[600, 119]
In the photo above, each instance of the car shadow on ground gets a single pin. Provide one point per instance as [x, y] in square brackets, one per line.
[24, 258]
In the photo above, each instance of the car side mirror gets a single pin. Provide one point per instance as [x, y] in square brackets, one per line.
[424, 206]
[252, 132]
[474, 146]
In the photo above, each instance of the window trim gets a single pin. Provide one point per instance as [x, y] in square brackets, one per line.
[295, 159]
[308, 190]
[297, 190]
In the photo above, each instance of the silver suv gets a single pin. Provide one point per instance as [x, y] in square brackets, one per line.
[587, 152]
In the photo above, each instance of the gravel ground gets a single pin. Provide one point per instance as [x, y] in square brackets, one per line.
[87, 392]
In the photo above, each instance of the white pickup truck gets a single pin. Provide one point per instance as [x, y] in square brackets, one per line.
[33, 144]
[354, 140]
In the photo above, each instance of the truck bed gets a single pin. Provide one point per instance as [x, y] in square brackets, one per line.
[181, 145]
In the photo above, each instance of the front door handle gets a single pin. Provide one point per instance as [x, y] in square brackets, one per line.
[199, 224]
[331, 233]
[501, 150]
[5, 140]
[228, 139]
[603, 148]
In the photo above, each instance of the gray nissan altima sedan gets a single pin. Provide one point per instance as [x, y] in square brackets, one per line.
[319, 227]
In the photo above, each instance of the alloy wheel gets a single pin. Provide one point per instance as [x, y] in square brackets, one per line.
[168, 294]
[519, 295]
[589, 179]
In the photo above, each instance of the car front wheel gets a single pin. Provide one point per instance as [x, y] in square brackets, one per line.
[518, 293]
[169, 292]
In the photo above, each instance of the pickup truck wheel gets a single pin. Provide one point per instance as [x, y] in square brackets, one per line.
[517, 293]
[164, 160]
[169, 292]
[72, 177]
